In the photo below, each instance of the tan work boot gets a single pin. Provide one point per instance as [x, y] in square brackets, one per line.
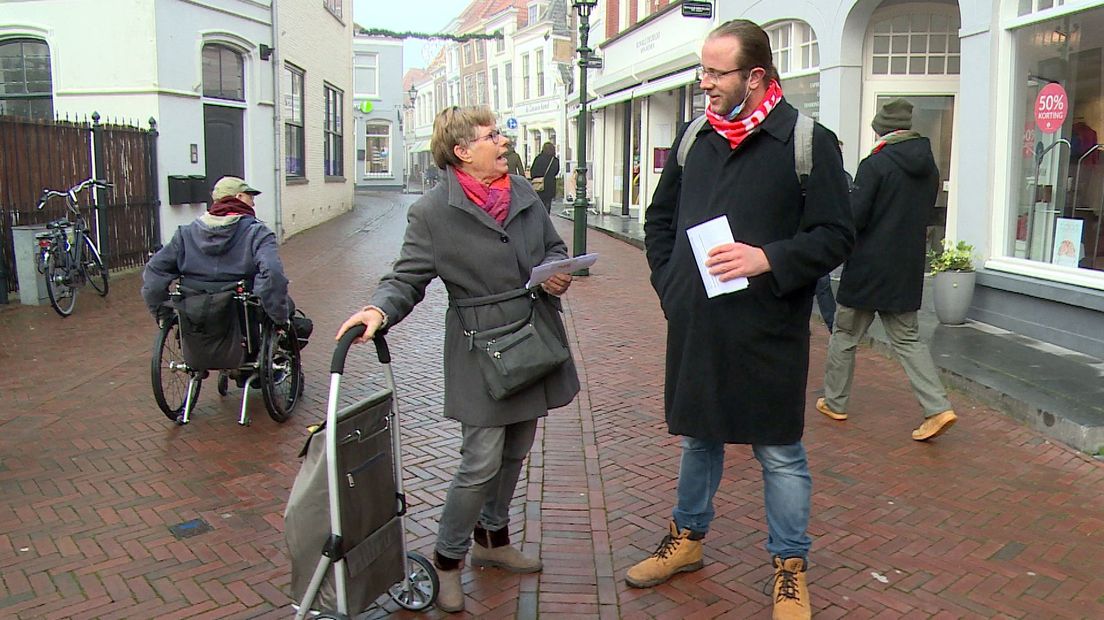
[494, 549]
[935, 425]
[791, 592]
[822, 406]
[450, 592]
[677, 553]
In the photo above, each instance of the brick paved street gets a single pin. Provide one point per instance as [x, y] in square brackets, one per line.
[991, 520]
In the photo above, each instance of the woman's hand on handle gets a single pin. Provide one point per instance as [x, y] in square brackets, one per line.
[371, 318]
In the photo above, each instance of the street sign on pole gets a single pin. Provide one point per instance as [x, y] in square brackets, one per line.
[697, 8]
[594, 62]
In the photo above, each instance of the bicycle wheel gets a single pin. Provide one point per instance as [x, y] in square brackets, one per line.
[94, 268]
[281, 372]
[170, 375]
[59, 282]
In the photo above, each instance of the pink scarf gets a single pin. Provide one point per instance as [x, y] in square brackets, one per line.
[737, 131]
[493, 198]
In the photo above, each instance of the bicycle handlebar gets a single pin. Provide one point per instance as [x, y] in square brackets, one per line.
[72, 192]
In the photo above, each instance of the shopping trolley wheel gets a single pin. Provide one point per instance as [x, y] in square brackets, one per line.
[418, 590]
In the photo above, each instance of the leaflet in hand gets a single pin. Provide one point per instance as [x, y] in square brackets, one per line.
[705, 237]
[541, 273]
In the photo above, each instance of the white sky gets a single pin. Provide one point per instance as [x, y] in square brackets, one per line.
[426, 16]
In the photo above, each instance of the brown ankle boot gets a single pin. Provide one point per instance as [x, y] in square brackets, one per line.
[791, 592]
[679, 552]
[494, 549]
[450, 592]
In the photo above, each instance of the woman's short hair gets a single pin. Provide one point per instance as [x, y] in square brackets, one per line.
[454, 126]
[755, 50]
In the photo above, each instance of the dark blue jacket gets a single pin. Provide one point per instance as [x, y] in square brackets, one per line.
[223, 248]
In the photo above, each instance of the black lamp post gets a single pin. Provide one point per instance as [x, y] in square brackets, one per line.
[583, 8]
[413, 95]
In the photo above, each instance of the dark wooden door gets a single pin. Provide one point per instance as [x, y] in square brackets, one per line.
[224, 142]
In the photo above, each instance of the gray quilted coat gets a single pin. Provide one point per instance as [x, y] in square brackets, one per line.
[451, 238]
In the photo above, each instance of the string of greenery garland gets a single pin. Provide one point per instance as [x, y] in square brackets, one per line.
[460, 38]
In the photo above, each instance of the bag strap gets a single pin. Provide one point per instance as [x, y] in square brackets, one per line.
[803, 145]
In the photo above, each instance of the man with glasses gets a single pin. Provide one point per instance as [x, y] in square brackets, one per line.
[737, 363]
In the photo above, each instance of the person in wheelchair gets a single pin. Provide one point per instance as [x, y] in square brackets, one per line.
[226, 245]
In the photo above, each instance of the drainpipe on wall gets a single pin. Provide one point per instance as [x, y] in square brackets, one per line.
[277, 125]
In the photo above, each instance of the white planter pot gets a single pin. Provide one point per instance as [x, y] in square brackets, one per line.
[952, 292]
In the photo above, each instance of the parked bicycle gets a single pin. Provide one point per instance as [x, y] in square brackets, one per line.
[67, 256]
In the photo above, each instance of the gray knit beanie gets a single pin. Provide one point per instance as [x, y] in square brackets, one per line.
[894, 115]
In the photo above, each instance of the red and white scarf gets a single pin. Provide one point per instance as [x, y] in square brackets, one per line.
[493, 198]
[737, 131]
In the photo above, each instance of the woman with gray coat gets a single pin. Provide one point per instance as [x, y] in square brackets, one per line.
[480, 231]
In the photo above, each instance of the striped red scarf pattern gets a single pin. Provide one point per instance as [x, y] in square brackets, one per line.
[737, 131]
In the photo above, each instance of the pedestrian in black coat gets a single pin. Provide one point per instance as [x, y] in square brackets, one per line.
[546, 166]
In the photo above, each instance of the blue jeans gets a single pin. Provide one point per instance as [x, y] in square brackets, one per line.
[787, 491]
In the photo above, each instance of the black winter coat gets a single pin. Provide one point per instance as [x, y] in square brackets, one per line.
[547, 166]
[895, 191]
[737, 364]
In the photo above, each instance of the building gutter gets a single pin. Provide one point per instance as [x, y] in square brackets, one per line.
[277, 125]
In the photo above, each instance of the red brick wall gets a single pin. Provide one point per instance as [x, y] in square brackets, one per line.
[613, 9]
[633, 17]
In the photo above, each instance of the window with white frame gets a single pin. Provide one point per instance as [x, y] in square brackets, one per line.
[467, 50]
[524, 76]
[508, 74]
[294, 143]
[797, 59]
[26, 86]
[1027, 7]
[500, 43]
[481, 87]
[223, 72]
[534, 12]
[540, 73]
[377, 144]
[333, 145]
[469, 90]
[480, 51]
[366, 75]
[921, 43]
[333, 6]
[495, 87]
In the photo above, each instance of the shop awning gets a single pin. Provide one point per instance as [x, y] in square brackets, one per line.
[420, 146]
[662, 84]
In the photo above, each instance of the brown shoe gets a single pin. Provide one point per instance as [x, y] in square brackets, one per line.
[450, 591]
[677, 553]
[822, 406]
[791, 592]
[935, 425]
[494, 549]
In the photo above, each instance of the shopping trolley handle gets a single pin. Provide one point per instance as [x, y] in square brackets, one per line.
[337, 364]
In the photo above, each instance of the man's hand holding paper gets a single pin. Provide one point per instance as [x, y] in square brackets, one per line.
[729, 261]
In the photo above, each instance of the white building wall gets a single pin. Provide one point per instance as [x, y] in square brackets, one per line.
[320, 44]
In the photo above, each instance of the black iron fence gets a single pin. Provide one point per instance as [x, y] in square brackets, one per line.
[61, 153]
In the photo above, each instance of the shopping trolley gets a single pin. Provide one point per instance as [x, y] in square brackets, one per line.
[342, 562]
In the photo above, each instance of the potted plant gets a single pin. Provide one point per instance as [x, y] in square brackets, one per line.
[952, 281]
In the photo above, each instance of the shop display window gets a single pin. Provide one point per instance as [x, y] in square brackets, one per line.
[1058, 164]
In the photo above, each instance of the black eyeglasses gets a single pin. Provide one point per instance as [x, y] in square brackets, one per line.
[492, 137]
[713, 74]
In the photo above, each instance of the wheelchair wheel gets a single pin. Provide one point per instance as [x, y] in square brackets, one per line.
[170, 375]
[281, 372]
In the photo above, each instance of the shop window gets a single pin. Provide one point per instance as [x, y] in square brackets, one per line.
[1027, 7]
[916, 44]
[377, 143]
[1058, 164]
[294, 144]
[26, 87]
[797, 58]
[223, 72]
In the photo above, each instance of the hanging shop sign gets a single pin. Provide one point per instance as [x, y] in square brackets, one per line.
[697, 8]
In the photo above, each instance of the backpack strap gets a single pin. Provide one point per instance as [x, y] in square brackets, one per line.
[803, 149]
[688, 138]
